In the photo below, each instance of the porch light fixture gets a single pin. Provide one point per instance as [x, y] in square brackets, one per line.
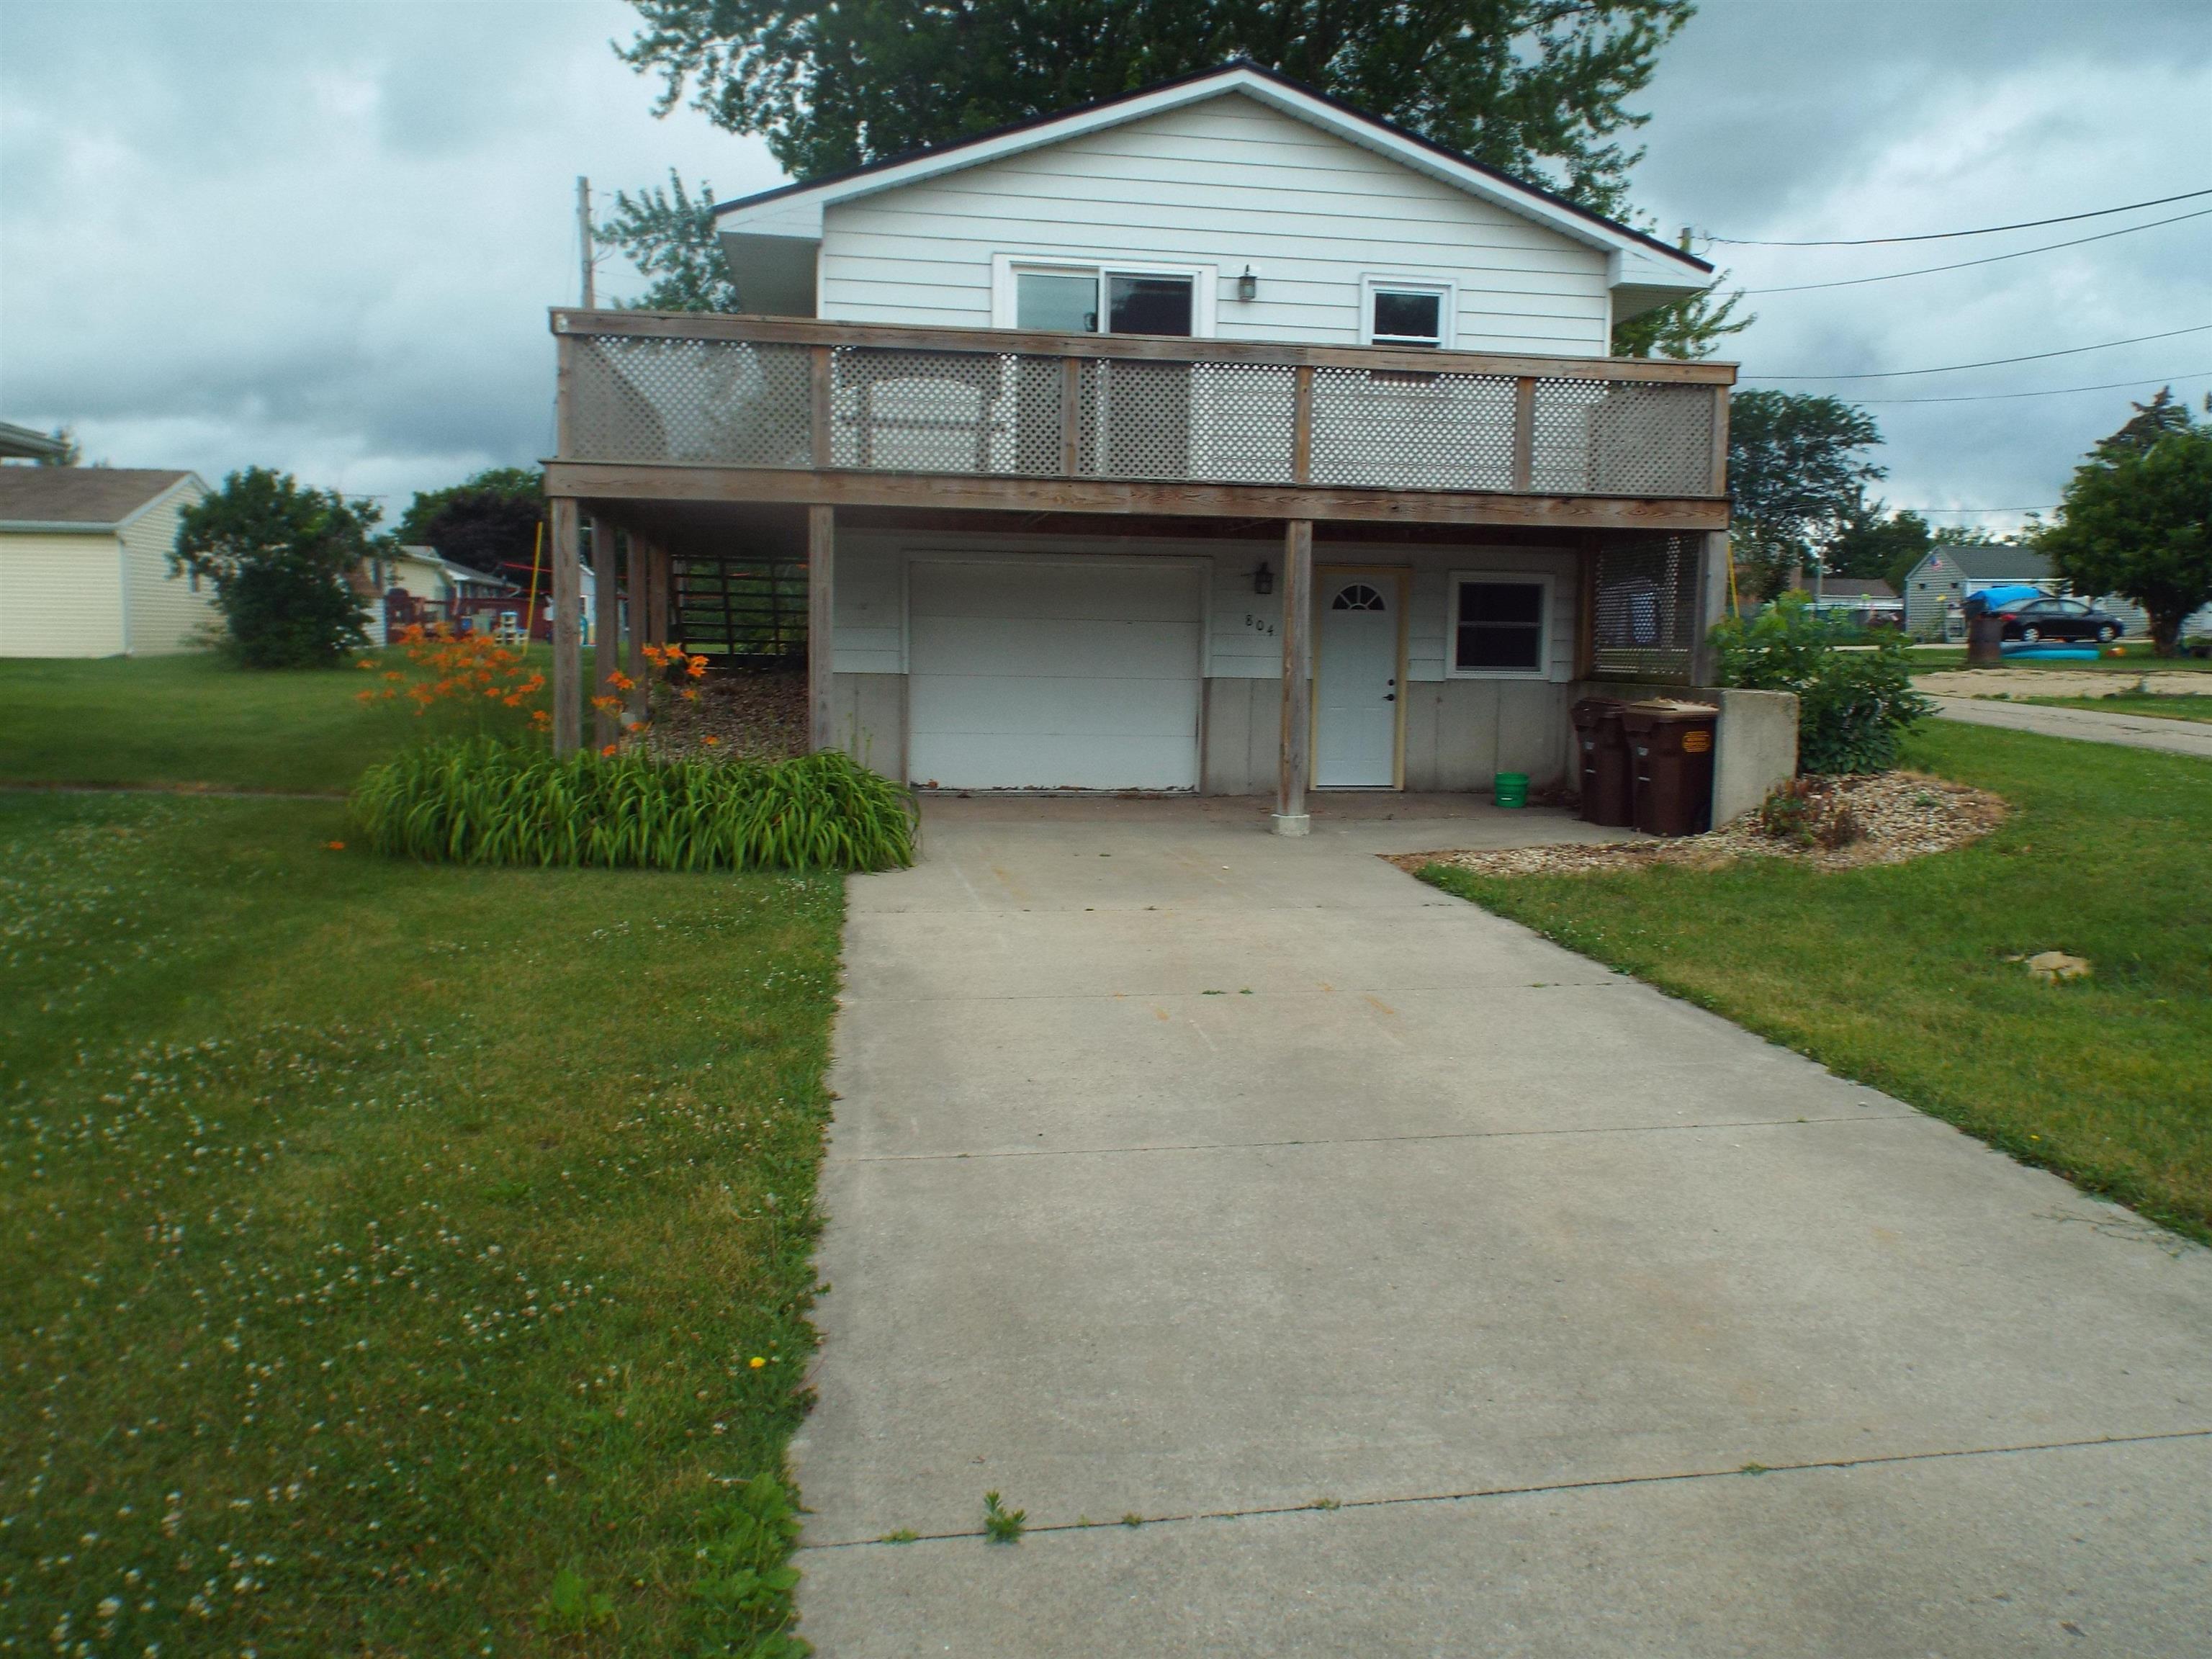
[1263, 579]
[1247, 289]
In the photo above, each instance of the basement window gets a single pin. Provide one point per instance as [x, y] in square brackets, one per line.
[1501, 625]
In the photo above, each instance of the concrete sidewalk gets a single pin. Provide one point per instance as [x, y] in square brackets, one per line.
[1426, 1289]
[2094, 726]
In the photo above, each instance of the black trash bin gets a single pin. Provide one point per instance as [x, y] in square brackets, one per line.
[1671, 748]
[1603, 749]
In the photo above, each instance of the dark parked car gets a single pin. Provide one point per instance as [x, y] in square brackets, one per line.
[2058, 619]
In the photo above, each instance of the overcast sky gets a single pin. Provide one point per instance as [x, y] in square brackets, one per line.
[321, 234]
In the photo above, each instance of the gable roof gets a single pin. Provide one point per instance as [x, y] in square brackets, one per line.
[80, 497]
[1856, 587]
[795, 209]
[1986, 562]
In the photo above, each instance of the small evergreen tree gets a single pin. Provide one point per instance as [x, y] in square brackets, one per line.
[669, 236]
[279, 556]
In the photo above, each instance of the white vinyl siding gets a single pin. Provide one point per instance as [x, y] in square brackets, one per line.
[60, 596]
[166, 615]
[1228, 183]
[1053, 674]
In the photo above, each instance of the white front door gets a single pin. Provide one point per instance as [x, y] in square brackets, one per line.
[1356, 682]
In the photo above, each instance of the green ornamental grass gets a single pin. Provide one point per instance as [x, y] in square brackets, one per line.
[482, 802]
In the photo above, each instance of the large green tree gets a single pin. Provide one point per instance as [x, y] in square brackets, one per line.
[1539, 87]
[1797, 477]
[2136, 519]
[487, 522]
[280, 556]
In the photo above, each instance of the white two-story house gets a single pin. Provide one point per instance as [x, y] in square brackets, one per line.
[1218, 438]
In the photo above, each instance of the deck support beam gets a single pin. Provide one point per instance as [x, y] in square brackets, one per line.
[638, 571]
[821, 622]
[606, 631]
[1290, 817]
[568, 626]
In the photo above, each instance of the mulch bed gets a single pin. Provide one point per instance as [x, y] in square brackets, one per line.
[750, 716]
[1884, 817]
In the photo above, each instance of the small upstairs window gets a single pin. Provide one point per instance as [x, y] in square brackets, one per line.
[1408, 313]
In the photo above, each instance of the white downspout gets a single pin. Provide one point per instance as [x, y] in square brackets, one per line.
[122, 579]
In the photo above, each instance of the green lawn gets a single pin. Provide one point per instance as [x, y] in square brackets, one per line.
[191, 719]
[1898, 976]
[2190, 708]
[384, 1240]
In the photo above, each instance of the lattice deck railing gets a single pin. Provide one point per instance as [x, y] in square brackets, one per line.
[767, 392]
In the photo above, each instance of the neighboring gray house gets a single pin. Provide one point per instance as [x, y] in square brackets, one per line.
[1942, 582]
[1216, 438]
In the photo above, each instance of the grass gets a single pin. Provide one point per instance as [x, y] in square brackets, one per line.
[2190, 708]
[1898, 976]
[403, 1259]
[191, 719]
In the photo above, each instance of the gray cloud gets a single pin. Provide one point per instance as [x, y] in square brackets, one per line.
[323, 236]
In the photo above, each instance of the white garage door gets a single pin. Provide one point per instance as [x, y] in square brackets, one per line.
[1053, 675]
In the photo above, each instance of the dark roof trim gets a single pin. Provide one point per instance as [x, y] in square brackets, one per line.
[884, 163]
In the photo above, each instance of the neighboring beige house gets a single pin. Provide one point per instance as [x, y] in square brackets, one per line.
[84, 563]
[432, 580]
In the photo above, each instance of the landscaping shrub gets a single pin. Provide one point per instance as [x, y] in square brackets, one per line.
[279, 556]
[1853, 707]
[480, 802]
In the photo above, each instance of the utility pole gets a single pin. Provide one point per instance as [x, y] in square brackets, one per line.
[584, 236]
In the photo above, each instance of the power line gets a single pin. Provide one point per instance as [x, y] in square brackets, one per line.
[2053, 392]
[2046, 506]
[1994, 259]
[1992, 362]
[1945, 235]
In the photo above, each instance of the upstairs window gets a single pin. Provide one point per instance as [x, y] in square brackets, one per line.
[1406, 314]
[1093, 300]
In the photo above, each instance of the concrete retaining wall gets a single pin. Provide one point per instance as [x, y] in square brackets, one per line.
[1754, 744]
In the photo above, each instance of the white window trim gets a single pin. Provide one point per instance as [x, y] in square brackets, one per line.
[1542, 579]
[1204, 283]
[1444, 286]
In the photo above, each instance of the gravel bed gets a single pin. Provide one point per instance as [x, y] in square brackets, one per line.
[1899, 816]
[758, 716]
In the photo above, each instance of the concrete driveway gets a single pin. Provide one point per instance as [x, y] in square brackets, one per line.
[1425, 1289]
[2092, 724]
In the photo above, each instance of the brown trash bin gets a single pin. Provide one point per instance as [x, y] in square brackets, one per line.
[1671, 751]
[1603, 747]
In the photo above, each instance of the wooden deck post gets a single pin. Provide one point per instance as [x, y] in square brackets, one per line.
[661, 575]
[1586, 566]
[606, 630]
[567, 628]
[821, 622]
[638, 572]
[1290, 817]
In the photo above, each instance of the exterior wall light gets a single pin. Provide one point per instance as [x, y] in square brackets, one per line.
[1247, 286]
[1263, 579]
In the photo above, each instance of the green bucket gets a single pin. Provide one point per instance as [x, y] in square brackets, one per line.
[1512, 788]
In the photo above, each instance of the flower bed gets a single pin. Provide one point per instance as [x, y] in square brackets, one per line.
[479, 802]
